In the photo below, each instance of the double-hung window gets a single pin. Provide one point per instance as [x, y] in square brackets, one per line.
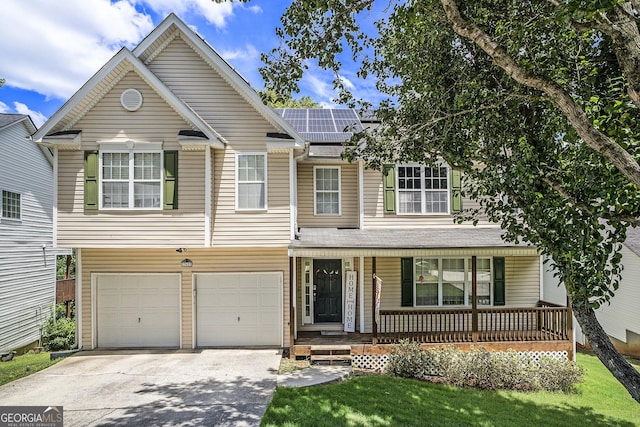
[251, 181]
[326, 193]
[131, 180]
[423, 189]
[11, 205]
[447, 281]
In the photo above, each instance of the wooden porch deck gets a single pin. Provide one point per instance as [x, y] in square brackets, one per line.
[543, 328]
[362, 344]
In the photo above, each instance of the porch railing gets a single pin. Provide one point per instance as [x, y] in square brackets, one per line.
[543, 323]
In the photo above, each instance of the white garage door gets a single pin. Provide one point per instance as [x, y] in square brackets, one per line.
[138, 310]
[238, 309]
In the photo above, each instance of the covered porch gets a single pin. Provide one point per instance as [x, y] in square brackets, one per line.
[499, 308]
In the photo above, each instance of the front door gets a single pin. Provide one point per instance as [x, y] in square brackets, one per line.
[327, 283]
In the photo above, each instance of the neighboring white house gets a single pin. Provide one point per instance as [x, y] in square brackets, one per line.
[620, 318]
[27, 258]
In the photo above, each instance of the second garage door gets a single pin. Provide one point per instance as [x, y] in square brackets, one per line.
[238, 309]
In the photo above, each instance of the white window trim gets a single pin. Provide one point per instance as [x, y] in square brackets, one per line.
[10, 219]
[265, 182]
[315, 191]
[423, 190]
[131, 180]
[467, 283]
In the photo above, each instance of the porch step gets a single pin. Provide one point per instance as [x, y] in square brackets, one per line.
[330, 353]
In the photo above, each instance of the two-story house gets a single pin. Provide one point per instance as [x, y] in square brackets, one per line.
[27, 256]
[204, 218]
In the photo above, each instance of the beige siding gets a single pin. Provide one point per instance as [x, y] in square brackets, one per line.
[204, 90]
[168, 261]
[375, 217]
[348, 193]
[251, 228]
[108, 120]
[183, 227]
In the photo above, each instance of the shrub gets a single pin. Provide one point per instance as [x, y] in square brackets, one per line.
[483, 369]
[58, 332]
[407, 360]
[558, 375]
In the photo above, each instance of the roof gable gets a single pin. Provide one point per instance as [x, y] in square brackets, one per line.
[103, 81]
[173, 27]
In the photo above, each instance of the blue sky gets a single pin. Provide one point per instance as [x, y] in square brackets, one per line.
[50, 48]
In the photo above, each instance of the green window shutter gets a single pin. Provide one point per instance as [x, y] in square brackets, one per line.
[389, 183]
[170, 180]
[498, 281]
[456, 191]
[406, 278]
[91, 180]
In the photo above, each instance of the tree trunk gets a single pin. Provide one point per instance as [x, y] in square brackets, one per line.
[626, 374]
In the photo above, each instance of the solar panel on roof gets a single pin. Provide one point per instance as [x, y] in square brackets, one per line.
[323, 125]
[319, 113]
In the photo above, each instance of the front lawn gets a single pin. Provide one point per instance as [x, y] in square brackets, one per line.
[374, 400]
[24, 365]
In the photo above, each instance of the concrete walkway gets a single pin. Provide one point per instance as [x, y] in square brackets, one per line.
[313, 375]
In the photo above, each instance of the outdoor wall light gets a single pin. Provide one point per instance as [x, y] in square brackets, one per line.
[186, 263]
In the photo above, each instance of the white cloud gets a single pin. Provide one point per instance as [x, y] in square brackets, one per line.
[53, 47]
[4, 108]
[246, 60]
[321, 89]
[347, 83]
[215, 13]
[37, 117]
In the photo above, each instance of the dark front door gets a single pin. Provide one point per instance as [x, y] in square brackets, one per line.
[327, 294]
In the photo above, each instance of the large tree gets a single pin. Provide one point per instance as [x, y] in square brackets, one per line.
[538, 102]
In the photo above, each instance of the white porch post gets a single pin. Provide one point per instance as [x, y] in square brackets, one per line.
[361, 297]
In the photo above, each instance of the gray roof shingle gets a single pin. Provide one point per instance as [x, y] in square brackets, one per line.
[7, 119]
[454, 237]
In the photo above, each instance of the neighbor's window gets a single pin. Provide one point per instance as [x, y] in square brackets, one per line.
[447, 281]
[423, 189]
[11, 205]
[326, 184]
[251, 182]
[131, 180]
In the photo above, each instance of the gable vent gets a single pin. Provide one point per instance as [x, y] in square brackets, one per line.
[131, 99]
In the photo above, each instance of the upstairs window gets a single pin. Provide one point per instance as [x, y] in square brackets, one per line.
[131, 180]
[11, 205]
[251, 181]
[326, 193]
[423, 190]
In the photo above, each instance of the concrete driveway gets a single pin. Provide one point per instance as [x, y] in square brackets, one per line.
[203, 387]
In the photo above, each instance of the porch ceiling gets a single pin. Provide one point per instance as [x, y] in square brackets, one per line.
[382, 241]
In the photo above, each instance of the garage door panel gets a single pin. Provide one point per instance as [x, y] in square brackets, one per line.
[238, 309]
[138, 310]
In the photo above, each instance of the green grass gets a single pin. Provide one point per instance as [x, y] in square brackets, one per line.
[24, 365]
[375, 400]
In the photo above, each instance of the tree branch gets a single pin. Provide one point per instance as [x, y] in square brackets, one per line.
[555, 186]
[620, 24]
[561, 98]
